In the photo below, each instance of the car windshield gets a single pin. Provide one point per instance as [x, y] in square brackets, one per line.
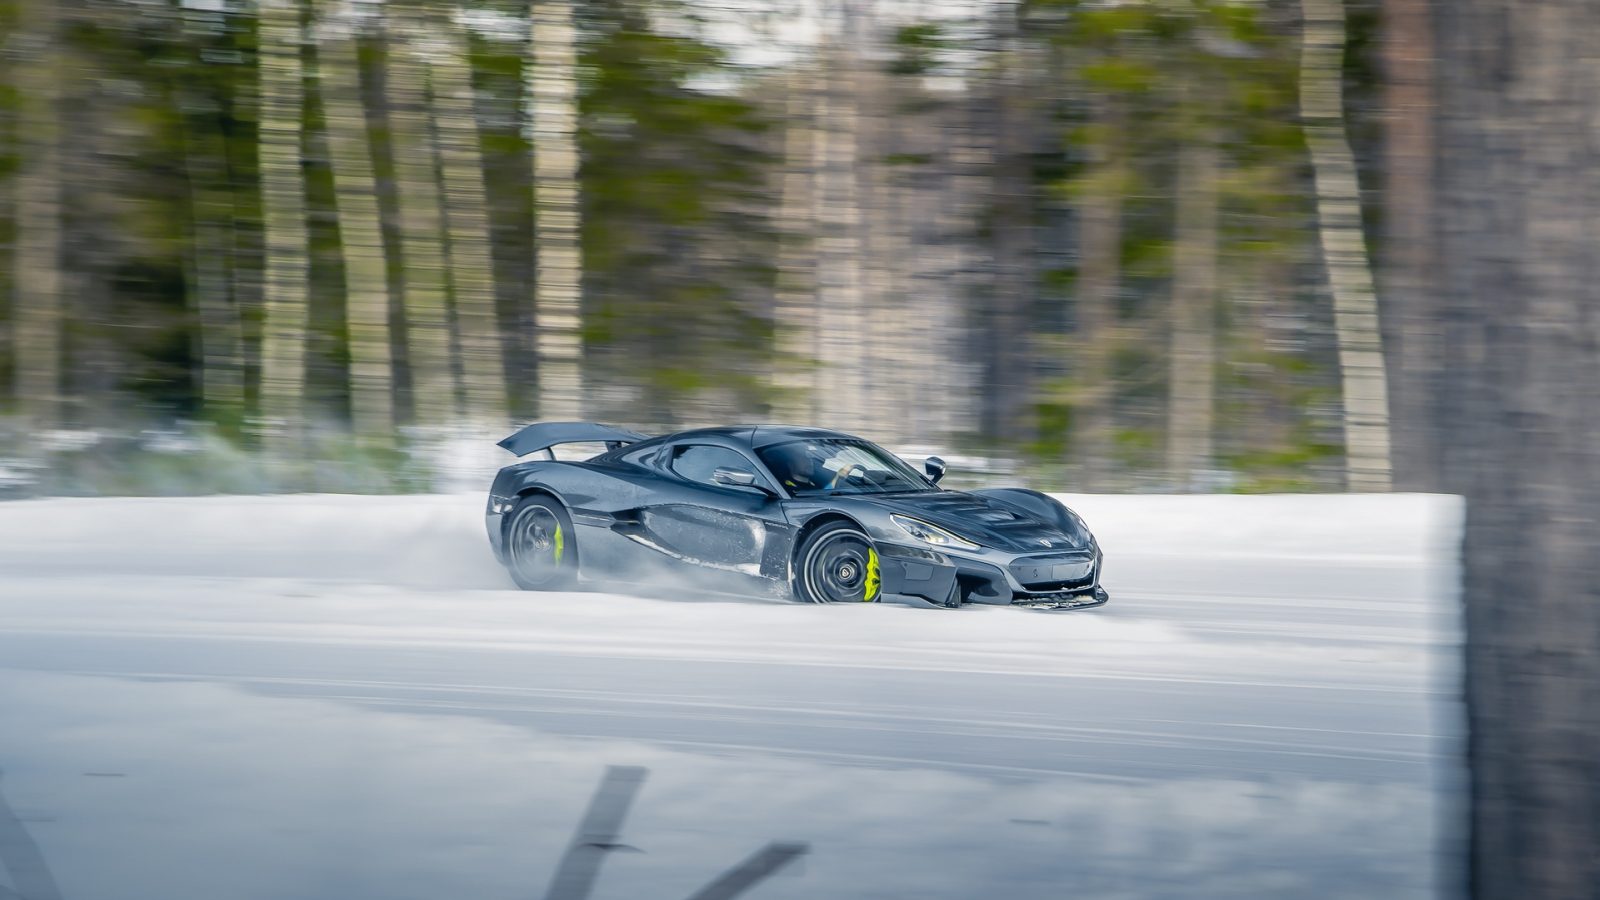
[839, 466]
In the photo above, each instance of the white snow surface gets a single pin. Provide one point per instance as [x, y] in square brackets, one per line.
[343, 697]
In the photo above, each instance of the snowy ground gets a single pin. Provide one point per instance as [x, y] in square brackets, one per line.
[339, 697]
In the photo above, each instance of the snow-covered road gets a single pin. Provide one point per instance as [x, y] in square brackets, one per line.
[339, 697]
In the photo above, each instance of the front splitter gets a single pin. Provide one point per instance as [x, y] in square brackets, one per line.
[1097, 597]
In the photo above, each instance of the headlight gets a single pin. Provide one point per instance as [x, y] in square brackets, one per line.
[930, 534]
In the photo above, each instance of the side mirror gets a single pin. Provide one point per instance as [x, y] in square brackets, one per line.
[741, 478]
[934, 467]
[734, 477]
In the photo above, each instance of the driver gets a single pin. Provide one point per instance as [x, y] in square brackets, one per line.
[800, 467]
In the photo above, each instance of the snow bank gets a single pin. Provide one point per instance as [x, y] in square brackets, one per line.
[1219, 569]
[1375, 527]
[438, 540]
[427, 541]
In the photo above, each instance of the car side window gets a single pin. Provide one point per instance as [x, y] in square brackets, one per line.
[697, 462]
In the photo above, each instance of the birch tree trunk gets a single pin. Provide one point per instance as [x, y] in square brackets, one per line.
[1099, 281]
[284, 221]
[467, 225]
[558, 292]
[840, 335]
[1192, 382]
[881, 336]
[969, 172]
[360, 235]
[796, 300]
[1344, 249]
[424, 297]
[36, 316]
[904, 338]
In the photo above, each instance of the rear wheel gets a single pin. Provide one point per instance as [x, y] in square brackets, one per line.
[837, 564]
[541, 552]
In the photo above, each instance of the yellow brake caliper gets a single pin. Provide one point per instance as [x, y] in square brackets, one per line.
[561, 544]
[874, 580]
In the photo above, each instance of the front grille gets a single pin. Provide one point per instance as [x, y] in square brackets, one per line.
[1054, 572]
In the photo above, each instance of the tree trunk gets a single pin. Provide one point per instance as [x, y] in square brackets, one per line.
[211, 265]
[1517, 408]
[904, 338]
[1192, 382]
[417, 188]
[558, 293]
[796, 299]
[219, 338]
[840, 337]
[1098, 283]
[1408, 256]
[1344, 248]
[360, 236]
[467, 224]
[1010, 351]
[883, 335]
[36, 316]
[283, 340]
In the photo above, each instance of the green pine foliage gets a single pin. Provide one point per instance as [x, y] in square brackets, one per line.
[681, 152]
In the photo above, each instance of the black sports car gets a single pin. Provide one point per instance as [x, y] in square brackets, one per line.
[804, 512]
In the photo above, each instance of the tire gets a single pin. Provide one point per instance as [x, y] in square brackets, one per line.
[541, 549]
[837, 563]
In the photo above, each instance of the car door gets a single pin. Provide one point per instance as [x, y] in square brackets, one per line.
[701, 523]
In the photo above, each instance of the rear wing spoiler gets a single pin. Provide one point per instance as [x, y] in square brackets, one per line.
[544, 435]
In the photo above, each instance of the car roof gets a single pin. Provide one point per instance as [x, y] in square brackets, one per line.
[755, 436]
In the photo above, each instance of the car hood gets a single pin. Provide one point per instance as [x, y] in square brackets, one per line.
[988, 521]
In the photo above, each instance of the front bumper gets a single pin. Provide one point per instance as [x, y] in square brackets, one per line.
[1056, 580]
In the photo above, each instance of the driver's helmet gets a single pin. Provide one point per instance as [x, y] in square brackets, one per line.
[800, 464]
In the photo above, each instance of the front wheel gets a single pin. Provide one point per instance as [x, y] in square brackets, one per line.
[837, 564]
[541, 552]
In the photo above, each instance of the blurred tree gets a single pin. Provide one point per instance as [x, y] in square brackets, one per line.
[421, 227]
[360, 231]
[36, 319]
[679, 240]
[287, 313]
[1009, 353]
[1344, 248]
[1409, 260]
[1214, 46]
[467, 225]
[1110, 74]
[8, 209]
[1099, 191]
[795, 307]
[201, 97]
[1193, 358]
[1162, 214]
[842, 309]
[982, 219]
[1516, 408]
[553, 111]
